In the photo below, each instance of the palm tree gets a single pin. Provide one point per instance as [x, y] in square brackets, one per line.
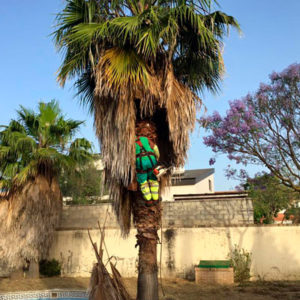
[134, 60]
[34, 150]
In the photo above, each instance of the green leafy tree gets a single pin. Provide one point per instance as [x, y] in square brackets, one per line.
[269, 196]
[293, 213]
[84, 185]
[34, 150]
[134, 60]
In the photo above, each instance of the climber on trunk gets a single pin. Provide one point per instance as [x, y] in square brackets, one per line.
[147, 155]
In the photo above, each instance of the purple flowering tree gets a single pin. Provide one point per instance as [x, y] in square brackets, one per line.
[263, 127]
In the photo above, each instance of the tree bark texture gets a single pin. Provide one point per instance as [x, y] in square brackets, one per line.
[28, 220]
[147, 221]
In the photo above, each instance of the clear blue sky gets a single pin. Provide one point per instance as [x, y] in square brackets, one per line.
[29, 61]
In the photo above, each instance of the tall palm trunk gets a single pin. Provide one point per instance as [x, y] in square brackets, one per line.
[147, 222]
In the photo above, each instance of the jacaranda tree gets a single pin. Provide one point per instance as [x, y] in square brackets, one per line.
[136, 60]
[34, 150]
[263, 128]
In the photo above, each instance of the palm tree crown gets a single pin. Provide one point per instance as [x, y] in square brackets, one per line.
[129, 36]
[39, 144]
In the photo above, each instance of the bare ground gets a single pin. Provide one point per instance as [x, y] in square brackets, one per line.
[175, 289]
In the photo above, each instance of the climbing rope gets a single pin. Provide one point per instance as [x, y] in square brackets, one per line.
[161, 246]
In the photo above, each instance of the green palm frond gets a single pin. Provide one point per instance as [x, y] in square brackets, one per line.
[5, 184]
[80, 151]
[39, 144]
[77, 56]
[15, 126]
[219, 23]
[12, 138]
[75, 12]
[122, 67]
[25, 174]
[124, 29]
[185, 31]
[48, 113]
[4, 153]
[85, 86]
[29, 119]
[80, 144]
[63, 130]
[24, 144]
[10, 170]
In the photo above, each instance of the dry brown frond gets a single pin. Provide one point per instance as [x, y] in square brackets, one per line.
[104, 286]
[168, 103]
[28, 220]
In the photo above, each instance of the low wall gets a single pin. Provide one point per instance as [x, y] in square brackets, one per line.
[176, 214]
[275, 250]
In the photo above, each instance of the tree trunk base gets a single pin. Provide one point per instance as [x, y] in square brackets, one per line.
[33, 271]
[147, 221]
[147, 286]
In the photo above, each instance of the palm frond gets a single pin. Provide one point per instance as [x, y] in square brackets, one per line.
[25, 174]
[219, 23]
[80, 151]
[85, 86]
[38, 145]
[75, 12]
[121, 67]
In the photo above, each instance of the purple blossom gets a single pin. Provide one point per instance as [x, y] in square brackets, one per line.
[216, 117]
[264, 88]
[246, 132]
[293, 71]
[274, 76]
[243, 174]
[212, 161]
[230, 173]
[210, 141]
[244, 128]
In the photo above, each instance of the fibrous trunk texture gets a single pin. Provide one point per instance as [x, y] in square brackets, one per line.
[147, 221]
[28, 220]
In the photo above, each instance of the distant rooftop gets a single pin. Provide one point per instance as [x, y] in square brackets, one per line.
[226, 195]
[190, 177]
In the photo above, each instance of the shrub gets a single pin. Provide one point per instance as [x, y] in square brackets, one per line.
[50, 268]
[241, 261]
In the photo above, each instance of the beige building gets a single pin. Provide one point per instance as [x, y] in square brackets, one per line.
[190, 182]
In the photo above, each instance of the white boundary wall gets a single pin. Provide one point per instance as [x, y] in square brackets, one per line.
[275, 250]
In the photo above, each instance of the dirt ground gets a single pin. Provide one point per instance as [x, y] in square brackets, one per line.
[175, 289]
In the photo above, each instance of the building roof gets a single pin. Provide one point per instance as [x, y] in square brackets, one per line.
[227, 195]
[191, 177]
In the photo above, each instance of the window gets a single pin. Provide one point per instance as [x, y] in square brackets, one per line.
[209, 185]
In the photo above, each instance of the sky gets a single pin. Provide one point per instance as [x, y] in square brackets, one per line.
[29, 62]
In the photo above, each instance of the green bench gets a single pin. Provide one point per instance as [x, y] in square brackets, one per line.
[218, 264]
